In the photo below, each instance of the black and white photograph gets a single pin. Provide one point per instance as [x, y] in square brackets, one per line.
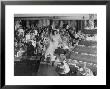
[55, 44]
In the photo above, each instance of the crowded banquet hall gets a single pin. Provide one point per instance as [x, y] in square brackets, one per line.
[55, 45]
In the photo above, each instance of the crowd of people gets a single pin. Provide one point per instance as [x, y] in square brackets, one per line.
[39, 38]
[45, 40]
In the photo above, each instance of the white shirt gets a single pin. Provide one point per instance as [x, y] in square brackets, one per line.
[36, 32]
[33, 43]
[19, 53]
[28, 37]
[21, 31]
[66, 68]
[89, 72]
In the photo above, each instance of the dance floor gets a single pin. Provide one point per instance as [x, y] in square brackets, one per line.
[26, 68]
[33, 68]
[46, 70]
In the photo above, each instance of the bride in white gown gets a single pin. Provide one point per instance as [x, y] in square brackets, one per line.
[53, 44]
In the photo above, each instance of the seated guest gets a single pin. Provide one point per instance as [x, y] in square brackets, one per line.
[20, 52]
[30, 49]
[64, 67]
[88, 71]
